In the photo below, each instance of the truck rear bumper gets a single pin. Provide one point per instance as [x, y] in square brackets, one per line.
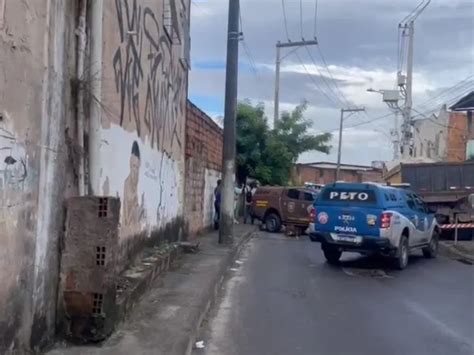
[367, 245]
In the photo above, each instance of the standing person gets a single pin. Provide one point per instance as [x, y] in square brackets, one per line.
[249, 192]
[217, 204]
[237, 193]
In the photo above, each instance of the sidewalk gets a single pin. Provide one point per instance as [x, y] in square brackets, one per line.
[464, 250]
[166, 319]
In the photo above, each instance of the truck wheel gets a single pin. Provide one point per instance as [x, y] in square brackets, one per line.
[332, 255]
[401, 260]
[431, 250]
[273, 223]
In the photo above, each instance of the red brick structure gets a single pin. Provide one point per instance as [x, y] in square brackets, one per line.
[458, 135]
[325, 173]
[204, 144]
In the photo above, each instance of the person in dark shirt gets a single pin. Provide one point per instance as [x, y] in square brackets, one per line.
[217, 204]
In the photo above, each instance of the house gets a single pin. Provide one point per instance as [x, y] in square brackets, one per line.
[447, 136]
[325, 173]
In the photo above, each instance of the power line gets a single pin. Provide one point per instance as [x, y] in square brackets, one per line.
[324, 78]
[285, 20]
[461, 85]
[246, 49]
[301, 18]
[313, 80]
[437, 123]
[447, 101]
[315, 17]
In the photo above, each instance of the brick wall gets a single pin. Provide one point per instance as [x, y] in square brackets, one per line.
[304, 173]
[457, 136]
[204, 144]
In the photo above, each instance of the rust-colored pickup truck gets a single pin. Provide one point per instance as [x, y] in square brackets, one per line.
[277, 206]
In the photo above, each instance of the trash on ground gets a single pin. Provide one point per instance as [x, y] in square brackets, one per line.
[199, 344]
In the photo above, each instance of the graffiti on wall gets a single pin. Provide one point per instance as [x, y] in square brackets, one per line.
[151, 84]
[13, 168]
[133, 211]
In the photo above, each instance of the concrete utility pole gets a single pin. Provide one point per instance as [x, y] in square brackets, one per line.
[407, 121]
[226, 223]
[280, 45]
[405, 82]
[341, 127]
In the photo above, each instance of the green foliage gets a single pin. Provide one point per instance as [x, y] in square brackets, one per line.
[268, 154]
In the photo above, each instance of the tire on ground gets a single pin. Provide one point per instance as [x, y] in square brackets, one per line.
[332, 255]
[431, 251]
[273, 222]
[401, 259]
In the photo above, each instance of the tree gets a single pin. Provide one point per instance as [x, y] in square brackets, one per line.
[268, 154]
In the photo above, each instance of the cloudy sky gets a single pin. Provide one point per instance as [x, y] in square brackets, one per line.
[358, 40]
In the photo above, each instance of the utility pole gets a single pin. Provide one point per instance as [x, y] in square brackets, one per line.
[279, 45]
[341, 127]
[407, 121]
[405, 82]
[226, 223]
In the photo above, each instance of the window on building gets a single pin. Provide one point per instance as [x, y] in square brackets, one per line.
[470, 149]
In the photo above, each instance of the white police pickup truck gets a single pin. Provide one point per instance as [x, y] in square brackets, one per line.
[368, 218]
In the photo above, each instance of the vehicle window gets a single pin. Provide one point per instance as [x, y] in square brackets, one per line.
[411, 202]
[349, 195]
[294, 194]
[309, 196]
[387, 198]
[420, 205]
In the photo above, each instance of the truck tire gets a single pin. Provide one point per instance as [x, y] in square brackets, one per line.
[273, 223]
[431, 250]
[332, 255]
[401, 260]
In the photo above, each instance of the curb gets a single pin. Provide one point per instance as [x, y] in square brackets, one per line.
[213, 291]
[453, 253]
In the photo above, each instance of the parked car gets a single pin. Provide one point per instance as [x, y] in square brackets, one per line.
[370, 218]
[278, 206]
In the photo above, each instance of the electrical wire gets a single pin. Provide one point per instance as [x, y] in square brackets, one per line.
[313, 80]
[461, 85]
[324, 78]
[315, 18]
[247, 51]
[285, 20]
[301, 19]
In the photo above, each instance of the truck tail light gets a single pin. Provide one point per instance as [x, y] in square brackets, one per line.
[312, 213]
[385, 220]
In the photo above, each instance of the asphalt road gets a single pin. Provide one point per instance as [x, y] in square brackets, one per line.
[281, 297]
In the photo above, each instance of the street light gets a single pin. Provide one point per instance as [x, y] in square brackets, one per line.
[391, 97]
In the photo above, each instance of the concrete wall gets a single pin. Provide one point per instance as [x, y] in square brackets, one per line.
[204, 144]
[144, 90]
[36, 45]
[430, 137]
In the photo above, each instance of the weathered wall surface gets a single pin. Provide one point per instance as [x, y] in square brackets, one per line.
[457, 136]
[430, 137]
[36, 38]
[144, 90]
[204, 144]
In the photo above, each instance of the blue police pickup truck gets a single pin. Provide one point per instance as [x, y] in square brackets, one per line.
[373, 219]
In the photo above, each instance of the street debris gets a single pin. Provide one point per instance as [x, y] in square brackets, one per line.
[374, 273]
[199, 344]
